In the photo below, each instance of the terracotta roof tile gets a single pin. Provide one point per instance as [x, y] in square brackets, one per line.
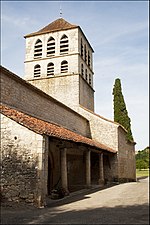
[59, 24]
[41, 127]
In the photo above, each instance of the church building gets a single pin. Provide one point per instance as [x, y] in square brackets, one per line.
[51, 138]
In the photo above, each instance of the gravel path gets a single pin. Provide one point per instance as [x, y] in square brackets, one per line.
[121, 204]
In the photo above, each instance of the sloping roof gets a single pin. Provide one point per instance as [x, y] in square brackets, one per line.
[108, 120]
[103, 117]
[59, 24]
[42, 127]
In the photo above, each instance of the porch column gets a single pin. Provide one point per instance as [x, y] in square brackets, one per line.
[88, 168]
[64, 180]
[101, 170]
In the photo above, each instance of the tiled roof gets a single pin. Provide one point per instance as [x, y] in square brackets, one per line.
[59, 24]
[42, 127]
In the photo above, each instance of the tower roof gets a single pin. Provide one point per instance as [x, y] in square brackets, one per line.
[59, 24]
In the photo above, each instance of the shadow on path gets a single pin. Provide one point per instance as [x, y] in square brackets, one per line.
[60, 212]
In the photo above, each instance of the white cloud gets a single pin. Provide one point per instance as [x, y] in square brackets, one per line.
[117, 31]
[122, 31]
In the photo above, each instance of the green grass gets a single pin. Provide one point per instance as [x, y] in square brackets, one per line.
[142, 173]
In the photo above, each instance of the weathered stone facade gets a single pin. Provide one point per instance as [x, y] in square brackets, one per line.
[22, 154]
[51, 137]
[126, 158]
[62, 85]
[20, 94]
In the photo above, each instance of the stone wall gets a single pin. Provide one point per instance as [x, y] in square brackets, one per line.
[72, 35]
[126, 158]
[112, 135]
[21, 163]
[102, 130]
[76, 168]
[86, 97]
[63, 88]
[72, 66]
[110, 167]
[71, 90]
[72, 57]
[17, 93]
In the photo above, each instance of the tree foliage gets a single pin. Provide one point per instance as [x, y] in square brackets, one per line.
[142, 159]
[120, 111]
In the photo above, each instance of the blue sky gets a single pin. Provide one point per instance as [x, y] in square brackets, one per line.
[118, 33]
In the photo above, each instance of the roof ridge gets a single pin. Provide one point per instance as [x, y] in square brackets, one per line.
[56, 21]
[56, 25]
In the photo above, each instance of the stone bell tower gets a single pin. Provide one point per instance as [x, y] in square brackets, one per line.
[59, 62]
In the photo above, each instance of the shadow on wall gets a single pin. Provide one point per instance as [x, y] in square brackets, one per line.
[19, 176]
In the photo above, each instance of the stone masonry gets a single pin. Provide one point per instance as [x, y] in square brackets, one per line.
[51, 137]
[21, 168]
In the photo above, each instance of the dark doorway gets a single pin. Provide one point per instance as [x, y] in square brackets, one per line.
[50, 174]
[94, 168]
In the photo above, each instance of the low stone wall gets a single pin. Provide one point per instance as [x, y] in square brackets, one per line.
[126, 158]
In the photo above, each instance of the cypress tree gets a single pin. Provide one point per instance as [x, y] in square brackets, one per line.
[120, 111]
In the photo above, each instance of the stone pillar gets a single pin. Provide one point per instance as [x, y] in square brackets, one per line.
[88, 168]
[101, 170]
[64, 179]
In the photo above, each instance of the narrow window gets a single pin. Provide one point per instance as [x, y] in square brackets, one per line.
[82, 70]
[90, 79]
[64, 66]
[86, 76]
[89, 59]
[51, 46]
[64, 45]
[50, 69]
[38, 49]
[81, 49]
[85, 54]
[37, 71]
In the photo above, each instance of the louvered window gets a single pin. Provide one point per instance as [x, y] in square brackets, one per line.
[86, 76]
[51, 47]
[82, 70]
[85, 54]
[64, 67]
[81, 49]
[64, 45]
[50, 69]
[37, 71]
[89, 59]
[38, 49]
[90, 79]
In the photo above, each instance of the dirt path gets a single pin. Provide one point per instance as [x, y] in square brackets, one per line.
[121, 204]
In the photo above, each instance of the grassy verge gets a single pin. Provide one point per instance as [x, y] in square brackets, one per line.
[142, 173]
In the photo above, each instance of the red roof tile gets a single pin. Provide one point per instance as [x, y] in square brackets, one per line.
[59, 24]
[41, 127]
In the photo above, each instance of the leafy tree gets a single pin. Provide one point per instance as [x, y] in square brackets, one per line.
[141, 164]
[142, 159]
[120, 111]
